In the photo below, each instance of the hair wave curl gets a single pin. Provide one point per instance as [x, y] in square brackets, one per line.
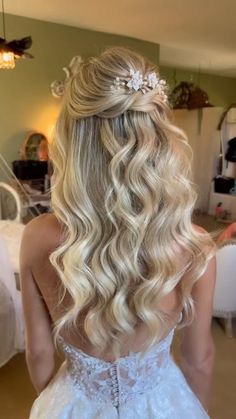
[122, 189]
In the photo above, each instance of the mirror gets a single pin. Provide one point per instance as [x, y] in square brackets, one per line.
[35, 147]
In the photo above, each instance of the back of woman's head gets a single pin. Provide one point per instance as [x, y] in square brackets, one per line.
[122, 189]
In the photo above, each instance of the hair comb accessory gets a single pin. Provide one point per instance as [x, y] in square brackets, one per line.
[137, 82]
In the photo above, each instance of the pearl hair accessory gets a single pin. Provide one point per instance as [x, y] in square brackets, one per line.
[137, 82]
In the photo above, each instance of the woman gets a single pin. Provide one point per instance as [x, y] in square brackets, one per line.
[118, 265]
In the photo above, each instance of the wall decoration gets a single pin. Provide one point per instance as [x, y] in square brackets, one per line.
[187, 95]
[58, 86]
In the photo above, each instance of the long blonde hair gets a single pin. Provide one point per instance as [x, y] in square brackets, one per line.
[122, 190]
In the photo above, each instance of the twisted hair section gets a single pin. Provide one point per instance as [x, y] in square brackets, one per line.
[122, 189]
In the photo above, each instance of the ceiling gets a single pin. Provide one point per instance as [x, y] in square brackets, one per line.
[198, 34]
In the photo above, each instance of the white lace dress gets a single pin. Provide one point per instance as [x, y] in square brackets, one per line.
[133, 387]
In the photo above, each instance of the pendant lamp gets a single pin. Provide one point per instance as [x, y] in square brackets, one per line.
[13, 50]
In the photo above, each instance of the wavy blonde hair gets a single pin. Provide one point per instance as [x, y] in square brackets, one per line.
[122, 190]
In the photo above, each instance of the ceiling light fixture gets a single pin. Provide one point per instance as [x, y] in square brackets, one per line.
[13, 50]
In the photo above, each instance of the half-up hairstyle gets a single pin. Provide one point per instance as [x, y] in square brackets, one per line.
[122, 191]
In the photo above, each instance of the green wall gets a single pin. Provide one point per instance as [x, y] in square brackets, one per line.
[221, 90]
[26, 103]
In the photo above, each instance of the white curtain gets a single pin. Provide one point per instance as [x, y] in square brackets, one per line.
[11, 316]
[200, 125]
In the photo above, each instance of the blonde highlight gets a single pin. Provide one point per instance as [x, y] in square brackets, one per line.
[122, 189]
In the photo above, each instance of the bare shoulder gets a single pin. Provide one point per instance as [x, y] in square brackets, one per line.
[199, 229]
[209, 246]
[42, 234]
[42, 223]
[42, 228]
[182, 254]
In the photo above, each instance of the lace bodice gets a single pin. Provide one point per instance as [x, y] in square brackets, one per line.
[121, 380]
[138, 386]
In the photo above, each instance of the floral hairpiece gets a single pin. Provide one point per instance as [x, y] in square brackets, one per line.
[136, 82]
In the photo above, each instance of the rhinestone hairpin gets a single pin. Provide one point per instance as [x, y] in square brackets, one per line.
[136, 82]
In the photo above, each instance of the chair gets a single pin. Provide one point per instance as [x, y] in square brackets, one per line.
[24, 201]
[12, 230]
[224, 305]
[16, 198]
